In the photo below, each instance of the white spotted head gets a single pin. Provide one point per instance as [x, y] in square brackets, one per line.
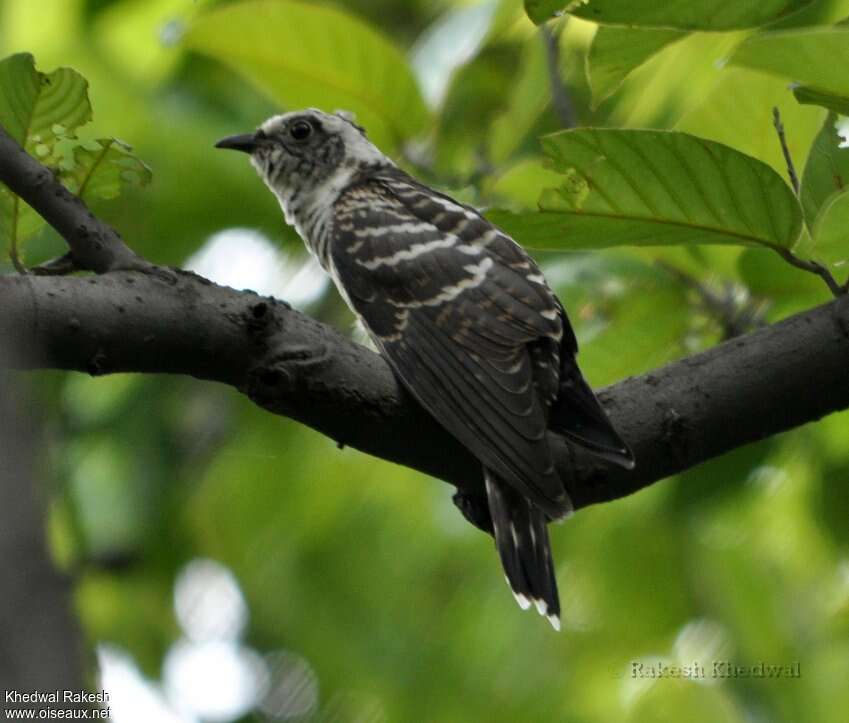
[303, 152]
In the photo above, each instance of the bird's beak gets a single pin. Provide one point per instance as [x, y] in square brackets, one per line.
[246, 142]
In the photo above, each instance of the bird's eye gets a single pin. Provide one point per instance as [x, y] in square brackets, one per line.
[299, 130]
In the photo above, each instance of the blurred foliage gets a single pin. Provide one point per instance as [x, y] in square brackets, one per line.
[331, 61]
[362, 568]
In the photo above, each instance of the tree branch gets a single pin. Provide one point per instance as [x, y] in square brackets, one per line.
[675, 417]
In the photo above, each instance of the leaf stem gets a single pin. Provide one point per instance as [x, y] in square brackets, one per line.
[788, 159]
[813, 267]
[806, 264]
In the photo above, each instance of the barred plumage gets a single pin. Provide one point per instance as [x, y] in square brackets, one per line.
[462, 314]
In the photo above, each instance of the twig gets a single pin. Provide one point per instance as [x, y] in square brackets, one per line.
[813, 267]
[56, 267]
[788, 159]
[15, 258]
[560, 100]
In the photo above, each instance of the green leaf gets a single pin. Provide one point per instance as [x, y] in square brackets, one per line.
[616, 52]
[480, 85]
[38, 110]
[674, 81]
[519, 185]
[102, 168]
[686, 14]
[42, 111]
[303, 54]
[541, 10]
[831, 231]
[807, 95]
[826, 170]
[816, 57]
[633, 187]
[528, 97]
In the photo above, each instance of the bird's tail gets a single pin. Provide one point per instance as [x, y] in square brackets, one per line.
[522, 541]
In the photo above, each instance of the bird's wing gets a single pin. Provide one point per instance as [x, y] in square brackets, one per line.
[464, 318]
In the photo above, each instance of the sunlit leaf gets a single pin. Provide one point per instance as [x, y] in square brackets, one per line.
[830, 241]
[738, 111]
[817, 57]
[685, 14]
[100, 169]
[519, 186]
[627, 187]
[304, 54]
[616, 52]
[674, 81]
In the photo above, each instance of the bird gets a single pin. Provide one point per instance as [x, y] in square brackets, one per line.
[462, 314]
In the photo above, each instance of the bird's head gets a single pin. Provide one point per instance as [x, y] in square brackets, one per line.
[302, 150]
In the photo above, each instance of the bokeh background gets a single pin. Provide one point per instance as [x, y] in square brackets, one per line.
[227, 564]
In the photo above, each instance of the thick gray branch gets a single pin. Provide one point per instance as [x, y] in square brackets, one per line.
[675, 417]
